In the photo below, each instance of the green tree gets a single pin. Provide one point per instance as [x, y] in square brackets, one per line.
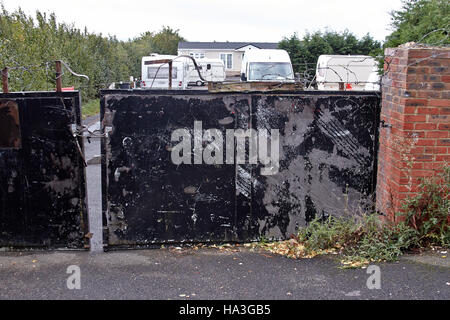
[305, 52]
[166, 41]
[424, 21]
[136, 49]
[30, 45]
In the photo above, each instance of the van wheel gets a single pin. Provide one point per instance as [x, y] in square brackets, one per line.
[199, 83]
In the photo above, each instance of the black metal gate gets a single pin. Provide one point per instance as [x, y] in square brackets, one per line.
[42, 171]
[326, 165]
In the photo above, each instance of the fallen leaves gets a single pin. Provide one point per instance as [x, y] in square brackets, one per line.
[227, 247]
[354, 263]
[294, 250]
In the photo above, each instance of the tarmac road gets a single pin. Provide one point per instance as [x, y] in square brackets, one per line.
[211, 273]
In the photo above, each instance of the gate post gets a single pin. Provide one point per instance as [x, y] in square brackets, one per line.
[415, 117]
[58, 76]
[170, 74]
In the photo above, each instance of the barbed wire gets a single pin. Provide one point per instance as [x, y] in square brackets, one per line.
[74, 73]
[32, 69]
[308, 77]
[24, 75]
[418, 44]
[445, 29]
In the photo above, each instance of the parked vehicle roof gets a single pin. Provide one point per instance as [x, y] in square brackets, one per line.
[226, 45]
[271, 54]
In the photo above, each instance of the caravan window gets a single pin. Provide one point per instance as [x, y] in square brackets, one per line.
[160, 72]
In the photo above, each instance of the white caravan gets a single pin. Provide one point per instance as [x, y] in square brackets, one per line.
[339, 72]
[156, 76]
[267, 65]
[212, 70]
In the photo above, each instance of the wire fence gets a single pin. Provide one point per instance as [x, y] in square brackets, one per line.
[29, 77]
[419, 44]
[45, 77]
[311, 75]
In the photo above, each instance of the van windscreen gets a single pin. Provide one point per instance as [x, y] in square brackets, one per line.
[270, 71]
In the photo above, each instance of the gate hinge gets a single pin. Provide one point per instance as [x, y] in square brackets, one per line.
[385, 125]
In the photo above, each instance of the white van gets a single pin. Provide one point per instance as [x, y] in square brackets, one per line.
[340, 72]
[267, 65]
[212, 70]
[156, 76]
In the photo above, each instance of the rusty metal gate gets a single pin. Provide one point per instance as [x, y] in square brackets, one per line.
[42, 171]
[327, 146]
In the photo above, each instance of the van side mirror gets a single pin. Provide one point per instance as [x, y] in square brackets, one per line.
[208, 66]
[243, 77]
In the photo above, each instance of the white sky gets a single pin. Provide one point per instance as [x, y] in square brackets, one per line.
[224, 20]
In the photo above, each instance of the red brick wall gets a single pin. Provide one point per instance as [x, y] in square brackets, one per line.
[415, 138]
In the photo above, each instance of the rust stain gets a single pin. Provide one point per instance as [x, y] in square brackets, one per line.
[9, 125]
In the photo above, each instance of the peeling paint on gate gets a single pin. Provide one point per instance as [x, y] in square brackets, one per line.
[327, 165]
[327, 159]
[42, 179]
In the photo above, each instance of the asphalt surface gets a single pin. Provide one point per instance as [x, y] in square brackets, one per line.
[93, 180]
[211, 273]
